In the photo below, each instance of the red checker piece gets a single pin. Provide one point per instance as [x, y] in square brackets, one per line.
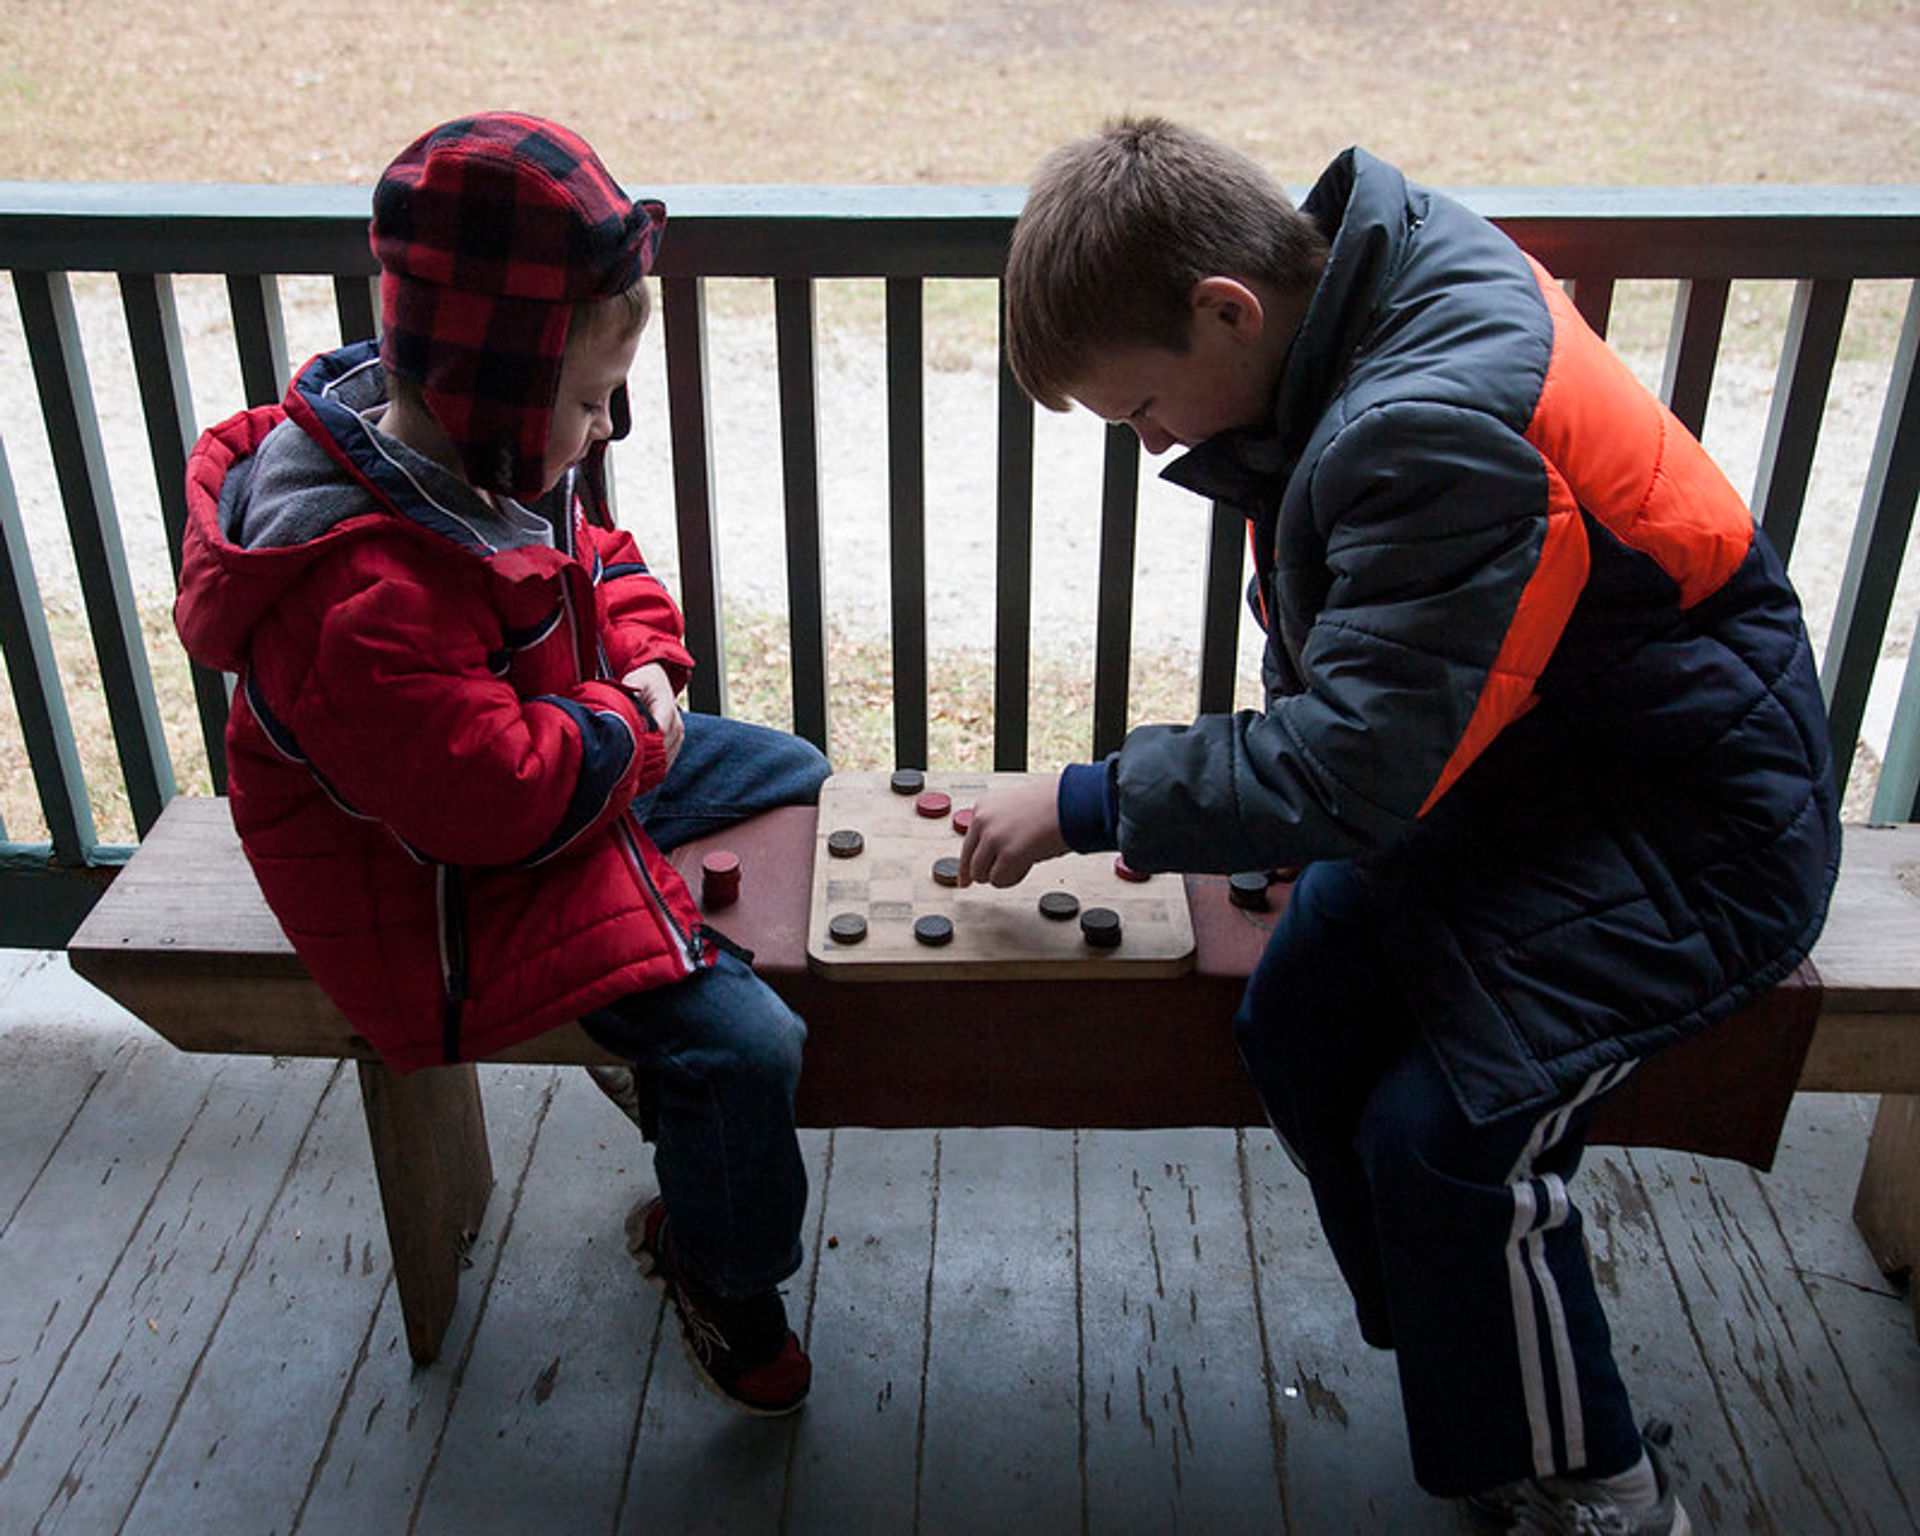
[719, 878]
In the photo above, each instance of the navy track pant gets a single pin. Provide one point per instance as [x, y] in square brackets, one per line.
[1459, 1242]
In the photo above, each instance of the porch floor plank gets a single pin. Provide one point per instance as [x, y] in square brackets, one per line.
[134, 1351]
[1001, 1447]
[1013, 1330]
[386, 1427]
[294, 1323]
[857, 1450]
[1176, 1415]
[538, 1401]
[1339, 1440]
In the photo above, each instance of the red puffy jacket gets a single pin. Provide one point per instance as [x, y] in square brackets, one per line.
[431, 760]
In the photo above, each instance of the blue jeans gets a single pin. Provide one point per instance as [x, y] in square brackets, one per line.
[718, 1055]
[729, 770]
[1459, 1241]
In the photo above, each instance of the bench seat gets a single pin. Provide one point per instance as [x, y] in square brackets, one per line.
[184, 941]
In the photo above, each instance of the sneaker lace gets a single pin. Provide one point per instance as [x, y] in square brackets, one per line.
[1542, 1513]
[702, 1332]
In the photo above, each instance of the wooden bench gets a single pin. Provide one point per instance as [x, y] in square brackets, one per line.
[184, 941]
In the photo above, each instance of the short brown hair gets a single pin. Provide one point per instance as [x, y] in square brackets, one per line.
[1116, 231]
[629, 310]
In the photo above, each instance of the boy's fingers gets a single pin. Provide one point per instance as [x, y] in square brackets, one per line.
[1009, 872]
[979, 857]
[967, 846]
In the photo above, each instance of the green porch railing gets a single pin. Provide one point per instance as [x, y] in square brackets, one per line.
[1697, 251]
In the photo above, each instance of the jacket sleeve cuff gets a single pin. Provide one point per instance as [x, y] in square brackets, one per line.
[1089, 807]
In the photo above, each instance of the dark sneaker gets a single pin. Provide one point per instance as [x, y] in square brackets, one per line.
[1560, 1506]
[744, 1349]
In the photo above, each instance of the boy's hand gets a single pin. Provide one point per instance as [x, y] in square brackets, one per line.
[651, 685]
[1013, 829]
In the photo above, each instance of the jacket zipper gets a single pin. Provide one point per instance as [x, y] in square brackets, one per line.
[450, 897]
[688, 944]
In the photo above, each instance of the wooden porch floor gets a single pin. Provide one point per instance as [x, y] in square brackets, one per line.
[1013, 1330]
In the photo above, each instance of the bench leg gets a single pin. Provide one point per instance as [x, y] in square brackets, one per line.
[1887, 1207]
[429, 1137]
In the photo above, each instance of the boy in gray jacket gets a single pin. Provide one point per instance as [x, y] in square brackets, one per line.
[1541, 724]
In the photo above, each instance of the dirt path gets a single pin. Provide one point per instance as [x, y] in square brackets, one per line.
[1462, 92]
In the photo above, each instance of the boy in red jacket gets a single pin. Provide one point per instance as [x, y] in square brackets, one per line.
[455, 753]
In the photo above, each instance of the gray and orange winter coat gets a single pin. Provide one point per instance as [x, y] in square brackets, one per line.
[1529, 665]
[431, 759]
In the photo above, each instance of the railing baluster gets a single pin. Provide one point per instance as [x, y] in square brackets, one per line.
[1819, 240]
[1896, 795]
[259, 336]
[1693, 347]
[793, 320]
[907, 516]
[1593, 297]
[1879, 546]
[1013, 585]
[354, 305]
[80, 465]
[37, 695]
[1220, 625]
[1113, 634]
[166, 397]
[683, 307]
[1807, 353]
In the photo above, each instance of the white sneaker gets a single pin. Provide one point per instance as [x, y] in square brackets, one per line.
[1561, 1506]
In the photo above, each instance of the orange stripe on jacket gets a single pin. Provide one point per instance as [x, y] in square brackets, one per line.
[1546, 603]
[1631, 464]
[1614, 451]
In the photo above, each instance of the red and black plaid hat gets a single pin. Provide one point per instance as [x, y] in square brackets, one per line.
[489, 230]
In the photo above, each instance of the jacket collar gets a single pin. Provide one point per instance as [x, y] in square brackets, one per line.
[330, 399]
[1362, 204]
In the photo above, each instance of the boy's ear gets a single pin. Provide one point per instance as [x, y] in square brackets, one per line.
[1228, 301]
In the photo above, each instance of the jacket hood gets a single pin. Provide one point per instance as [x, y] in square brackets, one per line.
[225, 588]
[274, 489]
